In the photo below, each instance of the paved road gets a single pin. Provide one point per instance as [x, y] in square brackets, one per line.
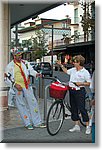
[39, 135]
[15, 132]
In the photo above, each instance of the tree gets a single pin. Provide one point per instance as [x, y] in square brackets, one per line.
[39, 45]
[26, 43]
[88, 21]
[67, 39]
[75, 36]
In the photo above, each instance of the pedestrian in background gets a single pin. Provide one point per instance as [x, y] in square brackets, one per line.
[17, 75]
[79, 78]
[92, 87]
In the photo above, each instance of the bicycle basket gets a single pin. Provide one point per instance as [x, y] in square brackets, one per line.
[57, 90]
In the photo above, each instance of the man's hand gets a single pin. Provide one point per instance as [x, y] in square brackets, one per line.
[39, 75]
[58, 62]
[18, 87]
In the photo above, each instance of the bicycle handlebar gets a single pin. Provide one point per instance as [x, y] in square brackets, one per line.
[9, 77]
[56, 79]
[52, 78]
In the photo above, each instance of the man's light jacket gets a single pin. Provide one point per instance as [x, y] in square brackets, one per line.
[27, 68]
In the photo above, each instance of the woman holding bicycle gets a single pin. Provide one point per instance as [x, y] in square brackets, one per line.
[79, 78]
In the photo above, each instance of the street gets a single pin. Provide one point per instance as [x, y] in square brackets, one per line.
[40, 135]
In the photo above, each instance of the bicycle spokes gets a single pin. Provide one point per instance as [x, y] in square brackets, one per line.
[55, 117]
[57, 111]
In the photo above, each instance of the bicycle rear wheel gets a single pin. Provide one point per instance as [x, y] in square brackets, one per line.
[55, 117]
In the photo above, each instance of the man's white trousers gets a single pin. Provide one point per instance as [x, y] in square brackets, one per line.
[28, 107]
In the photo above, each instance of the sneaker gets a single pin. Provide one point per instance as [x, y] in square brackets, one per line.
[41, 126]
[88, 130]
[75, 128]
[29, 127]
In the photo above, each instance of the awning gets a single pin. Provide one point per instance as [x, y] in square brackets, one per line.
[72, 47]
[21, 11]
[57, 51]
[81, 44]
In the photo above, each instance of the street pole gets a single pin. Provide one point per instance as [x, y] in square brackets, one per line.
[16, 35]
[52, 52]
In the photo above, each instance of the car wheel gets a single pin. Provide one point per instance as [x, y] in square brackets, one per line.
[50, 75]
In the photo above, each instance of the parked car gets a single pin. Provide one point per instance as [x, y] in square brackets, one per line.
[33, 64]
[44, 68]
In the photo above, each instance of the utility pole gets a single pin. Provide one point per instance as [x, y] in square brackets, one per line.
[16, 35]
[52, 51]
[85, 19]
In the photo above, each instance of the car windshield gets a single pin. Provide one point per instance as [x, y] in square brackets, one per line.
[32, 63]
[46, 65]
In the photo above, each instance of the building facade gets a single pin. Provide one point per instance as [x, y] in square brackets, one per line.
[72, 35]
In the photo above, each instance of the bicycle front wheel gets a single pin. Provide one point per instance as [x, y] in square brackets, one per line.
[55, 117]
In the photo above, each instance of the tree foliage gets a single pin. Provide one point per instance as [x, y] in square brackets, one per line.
[39, 45]
[88, 18]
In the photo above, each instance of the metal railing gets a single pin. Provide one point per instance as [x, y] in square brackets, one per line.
[91, 37]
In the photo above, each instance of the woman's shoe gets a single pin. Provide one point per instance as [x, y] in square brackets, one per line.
[76, 128]
[88, 130]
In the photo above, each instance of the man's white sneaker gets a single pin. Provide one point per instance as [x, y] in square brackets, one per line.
[88, 130]
[75, 128]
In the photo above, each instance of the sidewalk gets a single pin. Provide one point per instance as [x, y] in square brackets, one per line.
[14, 131]
[11, 117]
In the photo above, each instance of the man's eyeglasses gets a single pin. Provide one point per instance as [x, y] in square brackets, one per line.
[18, 55]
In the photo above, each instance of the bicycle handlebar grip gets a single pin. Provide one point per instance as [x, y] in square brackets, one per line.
[50, 78]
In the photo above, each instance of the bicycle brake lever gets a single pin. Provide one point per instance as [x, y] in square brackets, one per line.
[75, 83]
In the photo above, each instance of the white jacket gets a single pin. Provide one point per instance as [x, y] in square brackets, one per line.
[27, 68]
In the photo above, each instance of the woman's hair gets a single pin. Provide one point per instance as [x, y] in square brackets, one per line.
[79, 58]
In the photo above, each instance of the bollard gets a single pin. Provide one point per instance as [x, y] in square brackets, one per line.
[42, 88]
[39, 93]
[45, 103]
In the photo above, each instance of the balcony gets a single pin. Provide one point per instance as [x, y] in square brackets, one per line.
[67, 41]
[56, 43]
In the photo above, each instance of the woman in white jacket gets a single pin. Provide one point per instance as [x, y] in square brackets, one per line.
[17, 77]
